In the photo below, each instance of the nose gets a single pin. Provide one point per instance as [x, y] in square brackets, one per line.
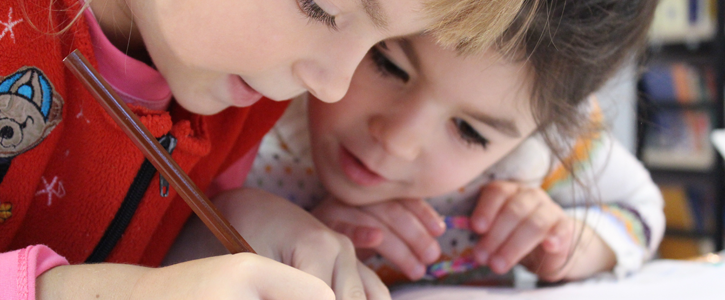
[327, 76]
[7, 132]
[403, 131]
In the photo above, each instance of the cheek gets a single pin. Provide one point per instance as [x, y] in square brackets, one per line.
[231, 36]
[450, 172]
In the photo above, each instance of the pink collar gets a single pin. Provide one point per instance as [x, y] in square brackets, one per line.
[136, 82]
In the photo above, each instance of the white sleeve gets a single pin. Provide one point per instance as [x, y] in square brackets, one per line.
[627, 207]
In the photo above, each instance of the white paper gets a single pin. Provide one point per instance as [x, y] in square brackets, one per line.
[661, 280]
[718, 140]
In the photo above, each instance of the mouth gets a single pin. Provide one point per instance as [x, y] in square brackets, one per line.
[356, 171]
[242, 94]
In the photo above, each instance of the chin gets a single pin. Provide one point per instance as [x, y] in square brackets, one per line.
[201, 108]
[356, 197]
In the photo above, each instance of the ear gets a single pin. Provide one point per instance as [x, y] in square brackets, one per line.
[31, 84]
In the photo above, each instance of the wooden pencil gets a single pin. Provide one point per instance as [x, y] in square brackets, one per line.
[155, 153]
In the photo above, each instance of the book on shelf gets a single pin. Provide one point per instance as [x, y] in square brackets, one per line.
[678, 138]
[687, 210]
[683, 21]
[679, 82]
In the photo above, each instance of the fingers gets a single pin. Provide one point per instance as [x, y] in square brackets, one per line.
[375, 289]
[321, 260]
[333, 260]
[361, 236]
[551, 260]
[428, 216]
[398, 253]
[408, 228]
[515, 210]
[347, 280]
[275, 281]
[561, 236]
[493, 197]
[362, 228]
[532, 231]
[516, 222]
[395, 229]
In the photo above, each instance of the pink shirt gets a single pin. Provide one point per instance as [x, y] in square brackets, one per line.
[138, 84]
[19, 268]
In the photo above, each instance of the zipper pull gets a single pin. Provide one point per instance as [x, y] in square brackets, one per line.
[168, 141]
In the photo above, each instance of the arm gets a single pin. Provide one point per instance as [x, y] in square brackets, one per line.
[240, 276]
[36, 272]
[19, 268]
[280, 230]
[627, 209]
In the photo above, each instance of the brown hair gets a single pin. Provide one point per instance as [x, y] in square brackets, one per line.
[573, 47]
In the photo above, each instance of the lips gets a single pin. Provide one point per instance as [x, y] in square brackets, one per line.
[242, 94]
[356, 171]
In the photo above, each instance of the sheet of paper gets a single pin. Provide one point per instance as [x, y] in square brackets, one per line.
[718, 140]
[661, 279]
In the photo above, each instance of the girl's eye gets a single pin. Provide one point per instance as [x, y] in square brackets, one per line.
[315, 12]
[385, 66]
[469, 134]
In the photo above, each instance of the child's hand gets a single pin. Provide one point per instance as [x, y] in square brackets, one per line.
[402, 231]
[513, 221]
[524, 225]
[278, 229]
[241, 276]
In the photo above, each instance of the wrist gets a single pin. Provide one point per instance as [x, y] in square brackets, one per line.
[591, 255]
[95, 281]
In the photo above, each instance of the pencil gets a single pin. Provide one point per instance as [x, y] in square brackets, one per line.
[155, 153]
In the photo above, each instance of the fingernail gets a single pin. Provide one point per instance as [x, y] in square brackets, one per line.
[431, 254]
[481, 224]
[482, 257]
[497, 264]
[438, 225]
[553, 243]
[417, 272]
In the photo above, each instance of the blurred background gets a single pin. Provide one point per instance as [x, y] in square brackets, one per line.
[664, 107]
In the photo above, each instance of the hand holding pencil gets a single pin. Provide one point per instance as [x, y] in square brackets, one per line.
[289, 234]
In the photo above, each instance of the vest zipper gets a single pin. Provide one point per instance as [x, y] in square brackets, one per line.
[130, 203]
[163, 184]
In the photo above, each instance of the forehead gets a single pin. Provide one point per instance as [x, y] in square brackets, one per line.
[391, 17]
[480, 81]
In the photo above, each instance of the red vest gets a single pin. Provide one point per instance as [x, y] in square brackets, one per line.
[69, 166]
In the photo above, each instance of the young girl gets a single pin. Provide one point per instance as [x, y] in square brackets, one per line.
[194, 71]
[420, 121]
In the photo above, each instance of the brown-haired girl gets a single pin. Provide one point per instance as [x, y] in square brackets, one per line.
[420, 121]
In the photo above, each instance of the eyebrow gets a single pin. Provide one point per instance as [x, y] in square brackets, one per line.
[410, 52]
[375, 12]
[504, 126]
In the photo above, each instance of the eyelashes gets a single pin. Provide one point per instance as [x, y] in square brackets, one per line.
[385, 66]
[315, 12]
[469, 134]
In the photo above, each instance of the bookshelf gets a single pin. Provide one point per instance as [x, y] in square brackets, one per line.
[680, 102]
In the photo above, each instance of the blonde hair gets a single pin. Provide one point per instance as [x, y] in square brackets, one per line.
[52, 28]
[468, 25]
[471, 26]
